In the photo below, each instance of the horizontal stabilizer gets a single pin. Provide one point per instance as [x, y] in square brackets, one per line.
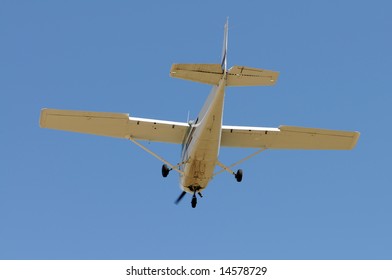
[246, 76]
[202, 73]
[114, 125]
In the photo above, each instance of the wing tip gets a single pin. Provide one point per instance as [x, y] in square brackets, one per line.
[42, 118]
[356, 135]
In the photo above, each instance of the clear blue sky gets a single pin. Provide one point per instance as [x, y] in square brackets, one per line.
[75, 196]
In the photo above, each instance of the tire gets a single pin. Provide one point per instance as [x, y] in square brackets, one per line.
[194, 202]
[165, 170]
[238, 175]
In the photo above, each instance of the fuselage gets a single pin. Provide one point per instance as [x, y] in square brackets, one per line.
[201, 145]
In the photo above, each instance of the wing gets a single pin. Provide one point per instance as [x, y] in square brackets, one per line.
[288, 137]
[114, 125]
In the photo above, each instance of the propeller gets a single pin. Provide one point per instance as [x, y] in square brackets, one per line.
[180, 197]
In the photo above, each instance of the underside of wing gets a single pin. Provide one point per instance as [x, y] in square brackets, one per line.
[288, 137]
[118, 125]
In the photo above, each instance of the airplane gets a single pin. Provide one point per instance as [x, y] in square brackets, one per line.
[202, 138]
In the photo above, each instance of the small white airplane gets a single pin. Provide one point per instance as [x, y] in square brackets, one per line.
[201, 139]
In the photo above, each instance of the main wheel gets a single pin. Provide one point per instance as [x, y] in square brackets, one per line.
[165, 170]
[238, 175]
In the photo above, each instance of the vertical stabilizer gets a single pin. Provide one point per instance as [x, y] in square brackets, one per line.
[224, 49]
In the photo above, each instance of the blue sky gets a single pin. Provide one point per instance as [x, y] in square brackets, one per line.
[75, 196]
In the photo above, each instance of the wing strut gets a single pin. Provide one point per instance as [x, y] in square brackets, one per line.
[228, 168]
[174, 167]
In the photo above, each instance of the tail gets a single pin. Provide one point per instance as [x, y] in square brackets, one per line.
[212, 73]
[224, 48]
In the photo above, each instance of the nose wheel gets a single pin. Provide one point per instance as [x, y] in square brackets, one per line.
[194, 200]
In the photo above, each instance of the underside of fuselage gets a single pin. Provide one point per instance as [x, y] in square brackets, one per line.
[201, 145]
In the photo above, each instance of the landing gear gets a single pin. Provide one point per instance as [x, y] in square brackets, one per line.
[194, 189]
[165, 170]
[238, 175]
[194, 200]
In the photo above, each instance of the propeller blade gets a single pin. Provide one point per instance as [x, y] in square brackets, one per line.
[180, 197]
